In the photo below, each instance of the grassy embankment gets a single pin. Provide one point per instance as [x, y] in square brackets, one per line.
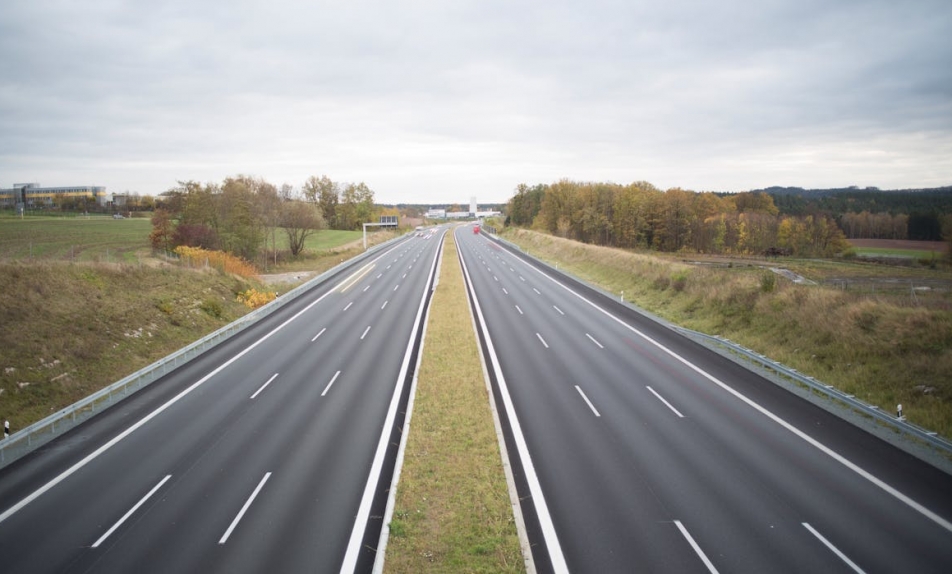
[85, 303]
[452, 511]
[885, 346]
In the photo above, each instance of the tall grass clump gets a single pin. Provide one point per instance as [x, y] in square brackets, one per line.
[224, 262]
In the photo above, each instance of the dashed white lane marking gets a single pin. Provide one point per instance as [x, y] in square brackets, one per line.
[834, 549]
[367, 330]
[520, 310]
[244, 509]
[537, 291]
[273, 377]
[592, 339]
[561, 312]
[319, 334]
[666, 403]
[348, 305]
[697, 549]
[384, 305]
[131, 511]
[544, 344]
[328, 387]
[588, 402]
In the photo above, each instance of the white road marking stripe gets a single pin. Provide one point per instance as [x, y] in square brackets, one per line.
[319, 334]
[521, 278]
[666, 403]
[365, 333]
[496, 278]
[379, 275]
[520, 310]
[365, 288]
[131, 511]
[504, 291]
[835, 550]
[348, 305]
[384, 305]
[397, 286]
[404, 275]
[543, 340]
[354, 278]
[697, 549]
[546, 525]
[590, 405]
[537, 291]
[244, 509]
[273, 377]
[592, 339]
[559, 310]
[328, 387]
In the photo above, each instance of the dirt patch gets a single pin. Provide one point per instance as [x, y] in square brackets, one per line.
[292, 277]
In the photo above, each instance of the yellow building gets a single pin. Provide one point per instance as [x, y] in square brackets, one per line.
[31, 194]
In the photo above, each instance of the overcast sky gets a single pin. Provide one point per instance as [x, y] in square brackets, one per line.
[437, 101]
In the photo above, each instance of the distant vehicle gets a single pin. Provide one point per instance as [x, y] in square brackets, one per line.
[117, 216]
[476, 229]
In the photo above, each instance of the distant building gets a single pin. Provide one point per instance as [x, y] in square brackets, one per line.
[31, 194]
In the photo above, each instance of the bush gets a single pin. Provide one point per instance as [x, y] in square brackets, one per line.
[254, 298]
[768, 282]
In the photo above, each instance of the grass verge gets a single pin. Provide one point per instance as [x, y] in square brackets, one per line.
[452, 511]
[886, 347]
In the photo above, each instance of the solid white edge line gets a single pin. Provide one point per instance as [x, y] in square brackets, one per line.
[532, 479]
[373, 478]
[697, 549]
[381, 556]
[274, 376]
[131, 512]
[319, 334]
[234, 523]
[514, 502]
[666, 403]
[834, 549]
[945, 524]
[588, 402]
[544, 344]
[328, 387]
[592, 339]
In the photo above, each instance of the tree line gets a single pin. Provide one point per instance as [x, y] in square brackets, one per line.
[639, 215]
[243, 215]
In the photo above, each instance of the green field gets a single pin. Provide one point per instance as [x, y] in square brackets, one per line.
[100, 238]
[887, 252]
[95, 238]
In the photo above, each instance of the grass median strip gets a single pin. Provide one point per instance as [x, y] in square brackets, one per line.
[452, 511]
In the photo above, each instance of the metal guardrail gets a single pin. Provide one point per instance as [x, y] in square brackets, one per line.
[32, 437]
[899, 424]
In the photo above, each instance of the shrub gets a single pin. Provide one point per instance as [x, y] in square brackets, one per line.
[254, 298]
[768, 282]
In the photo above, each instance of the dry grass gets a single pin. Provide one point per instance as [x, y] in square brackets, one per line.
[71, 329]
[452, 511]
[887, 347]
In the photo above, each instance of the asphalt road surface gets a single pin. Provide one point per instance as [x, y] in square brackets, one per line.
[637, 450]
[262, 455]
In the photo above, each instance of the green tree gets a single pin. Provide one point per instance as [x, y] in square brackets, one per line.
[300, 219]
